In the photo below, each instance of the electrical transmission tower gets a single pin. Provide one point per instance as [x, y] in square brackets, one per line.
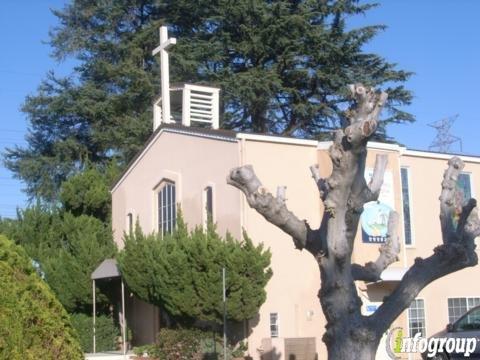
[444, 139]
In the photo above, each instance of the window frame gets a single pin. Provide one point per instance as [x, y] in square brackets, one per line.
[129, 222]
[475, 310]
[205, 204]
[470, 180]
[424, 317]
[277, 325]
[473, 196]
[466, 302]
[410, 206]
[159, 207]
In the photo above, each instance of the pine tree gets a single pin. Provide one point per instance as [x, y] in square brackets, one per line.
[67, 249]
[282, 67]
[33, 324]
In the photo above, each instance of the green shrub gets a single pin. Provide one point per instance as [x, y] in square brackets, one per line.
[194, 344]
[68, 249]
[182, 273]
[33, 324]
[179, 344]
[106, 332]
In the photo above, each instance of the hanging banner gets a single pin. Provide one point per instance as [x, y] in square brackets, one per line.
[374, 219]
[374, 222]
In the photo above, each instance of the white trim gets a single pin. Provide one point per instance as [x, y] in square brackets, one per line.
[324, 145]
[432, 155]
[277, 139]
[424, 315]
[385, 146]
[202, 88]
[410, 204]
[374, 145]
[170, 177]
[460, 297]
[152, 141]
[243, 201]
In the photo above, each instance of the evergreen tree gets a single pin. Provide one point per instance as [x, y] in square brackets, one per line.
[88, 192]
[33, 324]
[282, 66]
[182, 273]
[67, 249]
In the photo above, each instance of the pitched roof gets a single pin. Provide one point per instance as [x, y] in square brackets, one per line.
[107, 269]
[219, 134]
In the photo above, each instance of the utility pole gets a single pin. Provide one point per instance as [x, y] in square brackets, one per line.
[224, 317]
[443, 140]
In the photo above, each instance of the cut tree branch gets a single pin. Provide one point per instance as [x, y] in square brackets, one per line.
[321, 183]
[376, 181]
[388, 254]
[460, 227]
[363, 193]
[274, 209]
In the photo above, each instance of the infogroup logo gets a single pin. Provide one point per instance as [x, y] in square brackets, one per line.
[397, 344]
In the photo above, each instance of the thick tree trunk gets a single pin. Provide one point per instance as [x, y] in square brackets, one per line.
[350, 335]
[346, 348]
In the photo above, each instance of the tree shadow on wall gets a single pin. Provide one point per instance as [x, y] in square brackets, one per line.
[271, 355]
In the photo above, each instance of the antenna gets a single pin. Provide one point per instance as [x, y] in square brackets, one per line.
[444, 139]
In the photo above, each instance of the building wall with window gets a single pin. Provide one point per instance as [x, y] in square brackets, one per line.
[449, 297]
[292, 309]
[188, 167]
[174, 169]
[413, 184]
[187, 164]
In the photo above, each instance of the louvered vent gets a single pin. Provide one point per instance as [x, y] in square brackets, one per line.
[191, 105]
[200, 105]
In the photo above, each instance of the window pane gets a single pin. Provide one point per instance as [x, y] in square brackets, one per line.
[160, 208]
[129, 222]
[167, 208]
[274, 324]
[472, 302]
[406, 206]
[208, 209]
[456, 308]
[463, 184]
[416, 318]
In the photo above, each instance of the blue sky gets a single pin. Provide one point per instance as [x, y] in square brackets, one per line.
[436, 39]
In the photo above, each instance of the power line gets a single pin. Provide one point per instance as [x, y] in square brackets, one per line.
[14, 72]
[12, 130]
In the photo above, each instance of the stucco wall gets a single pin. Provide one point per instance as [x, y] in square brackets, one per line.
[292, 291]
[426, 176]
[192, 163]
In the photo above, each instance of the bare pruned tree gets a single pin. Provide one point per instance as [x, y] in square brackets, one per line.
[350, 335]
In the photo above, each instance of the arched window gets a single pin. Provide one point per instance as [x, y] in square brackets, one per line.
[129, 223]
[167, 207]
[207, 206]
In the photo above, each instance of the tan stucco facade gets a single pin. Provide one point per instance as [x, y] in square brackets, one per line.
[194, 160]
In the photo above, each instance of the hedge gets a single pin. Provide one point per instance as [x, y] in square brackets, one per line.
[33, 323]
